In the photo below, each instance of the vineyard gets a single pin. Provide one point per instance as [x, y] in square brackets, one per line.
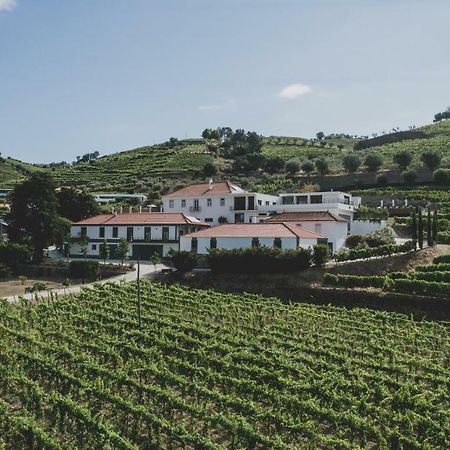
[210, 370]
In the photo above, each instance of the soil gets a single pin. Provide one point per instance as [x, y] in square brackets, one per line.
[17, 287]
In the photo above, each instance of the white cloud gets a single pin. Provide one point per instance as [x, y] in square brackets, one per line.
[7, 5]
[295, 90]
[210, 107]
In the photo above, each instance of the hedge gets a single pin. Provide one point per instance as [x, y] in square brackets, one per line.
[352, 281]
[183, 261]
[442, 267]
[442, 259]
[86, 270]
[259, 260]
[432, 276]
[369, 252]
[421, 287]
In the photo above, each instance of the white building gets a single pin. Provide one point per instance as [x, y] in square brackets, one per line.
[114, 197]
[147, 233]
[326, 223]
[233, 236]
[219, 202]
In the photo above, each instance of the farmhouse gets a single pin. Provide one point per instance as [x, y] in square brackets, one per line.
[326, 223]
[232, 236]
[147, 233]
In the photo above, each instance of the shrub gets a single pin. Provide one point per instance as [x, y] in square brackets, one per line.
[292, 167]
[403, 159]
[442, 177]
[373, 162]
[320, 255]
[367, 213]
[437, 267]
[259, 260]
[351, 163]
[382, 236]
[37, 287]
[307, 167]
[409, 176]
[381, 179]
[12, 255]
[183, 261]
[354, 240]
[368, 252]
[322, 166]
[431, 159]
[421, 287]
[86, 270]
[432, 276]
[352, 281]
[442, 259]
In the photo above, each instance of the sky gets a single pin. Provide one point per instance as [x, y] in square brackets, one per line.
[78, 76]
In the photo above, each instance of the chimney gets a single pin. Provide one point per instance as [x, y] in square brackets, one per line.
[210, 184]
[140, 209]
[130, 210]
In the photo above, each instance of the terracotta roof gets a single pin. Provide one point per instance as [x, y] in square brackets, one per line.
[313, 216]
[198, 190]
[142, 218]
[256, 230]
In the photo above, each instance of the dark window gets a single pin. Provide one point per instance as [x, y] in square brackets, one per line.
[239, 218]
[239, 203]
[183, 203]
[209, 202]
[316, 199]
[194, 245]
[277, 242]
[301, 199]
[255, 242]
[170, 203]
[346, 200]
[115, 232]
[129, 233]
[222, 202]
[165, 233]
[251, 203]
[147, 234]
[213, 243]
[196, 205]
[94, 246]
[289, 200]
[83, 231]
[259, 202]
[102, 232]
[208, 220]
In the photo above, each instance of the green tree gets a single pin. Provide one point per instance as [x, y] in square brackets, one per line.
[373, 162]
[307, 167]
[420, 229]
[320, 135]
[409, 176]
[76, 205]
[274, 164]
[34, 215]
[429, 229]
[414, 229]
[292, 167]
[442, 177]
[209, 169]
[104, 251]
[322, 166]
[431, 159]
[155, 259]
[351, 163]
[122, 249]
[403, 159]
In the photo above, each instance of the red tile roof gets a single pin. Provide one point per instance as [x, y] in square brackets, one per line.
[142, 218]
[256, 230]
[307, 216]
[198, 190]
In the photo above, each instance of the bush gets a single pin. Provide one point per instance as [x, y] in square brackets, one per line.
[320, 255]
[433, 276]
[437, 267]
[12, 255]
[442, 177]
[307, 167]
[292, 167]
[409, 176]
[403, 159]
[352, 281]
[368, 252]
[86, 270]
[381, 180]
[354, 240]
[373, 162]
[37, 287]
[259, 260]
[409, 286]
[351, 163]
[322, 166]
[5, 272]
[431, 159]
[367, 213]
[183, 261]
[442, 259]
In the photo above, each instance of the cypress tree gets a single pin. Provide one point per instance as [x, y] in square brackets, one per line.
[429, 229]
[435, 226]
[414, 229]
[420, 229]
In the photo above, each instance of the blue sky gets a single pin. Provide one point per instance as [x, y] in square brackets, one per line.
[109, 75]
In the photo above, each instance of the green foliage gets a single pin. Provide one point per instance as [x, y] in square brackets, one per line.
[442, 177]
[442, 259]
[76, 205]
[368, 252]
[292, 166]
[183, 261]
[259, 260]
[403, 159]
[84, 270]
[307, 166]
[274, 164]
[364, 212]
[373, 162]
[390, 138]
[322, 166]
[122, 249]
[434, 275]
[320, 255]
[420, 228]
[37, 287]
[209, 169]
[409, 176]
[12, 255]
[421, 287]
[104, 250]
[351, 162]
[352, 281]
[431, 159]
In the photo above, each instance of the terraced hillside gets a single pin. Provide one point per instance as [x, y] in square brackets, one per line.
[208, 370]
[13, 171]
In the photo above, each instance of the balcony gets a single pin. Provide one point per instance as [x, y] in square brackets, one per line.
[195, 208]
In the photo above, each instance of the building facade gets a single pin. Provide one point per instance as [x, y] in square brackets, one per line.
[147, 233]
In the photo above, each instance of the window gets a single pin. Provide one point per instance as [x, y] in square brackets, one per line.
[194, 245]
[147, 234]
[318, 227]
[170, 203]
[301, 199]
[255, 242]
[101, 232]
[259, 202]
[222, 202]
[115, 232]
[277, 242]
[83, 231]
[196, 205]
[213, 243]
[209, 202]
[316, 199]
[183, 203]
[208, 220]
[165, 233]
[94, 247]
[267, 202]
[129, 233]
[346, 200]
[288, 200]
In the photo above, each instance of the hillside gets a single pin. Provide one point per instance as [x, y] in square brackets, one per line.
[159, 168]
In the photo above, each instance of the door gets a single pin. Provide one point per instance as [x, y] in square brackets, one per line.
[143, 252]
[251, 203]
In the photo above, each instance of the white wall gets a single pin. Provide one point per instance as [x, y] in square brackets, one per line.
[366, 226]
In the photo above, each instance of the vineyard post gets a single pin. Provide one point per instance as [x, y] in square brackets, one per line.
[139, 288]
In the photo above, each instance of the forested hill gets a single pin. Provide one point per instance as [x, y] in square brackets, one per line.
[243, 156]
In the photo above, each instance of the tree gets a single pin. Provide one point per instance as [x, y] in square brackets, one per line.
[431, 159]
[256, 160]
[322, 166]
[420, 229]
[155, 259]
[414, 229]
[122, 249]
[292, 167]
[442, 177]
[429, 229]
[373, 162]
[307, 167]
[403, 159]
[409, 176]
[209, 169]
[381, 179]
[76, 205]
[320, 135]
[442, 115]
[351, 162]
[321, 255]
[274, 164]
[104, 251]
[434, 226]
[34, 215]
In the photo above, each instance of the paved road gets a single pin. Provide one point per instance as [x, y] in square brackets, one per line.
[145, 271]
